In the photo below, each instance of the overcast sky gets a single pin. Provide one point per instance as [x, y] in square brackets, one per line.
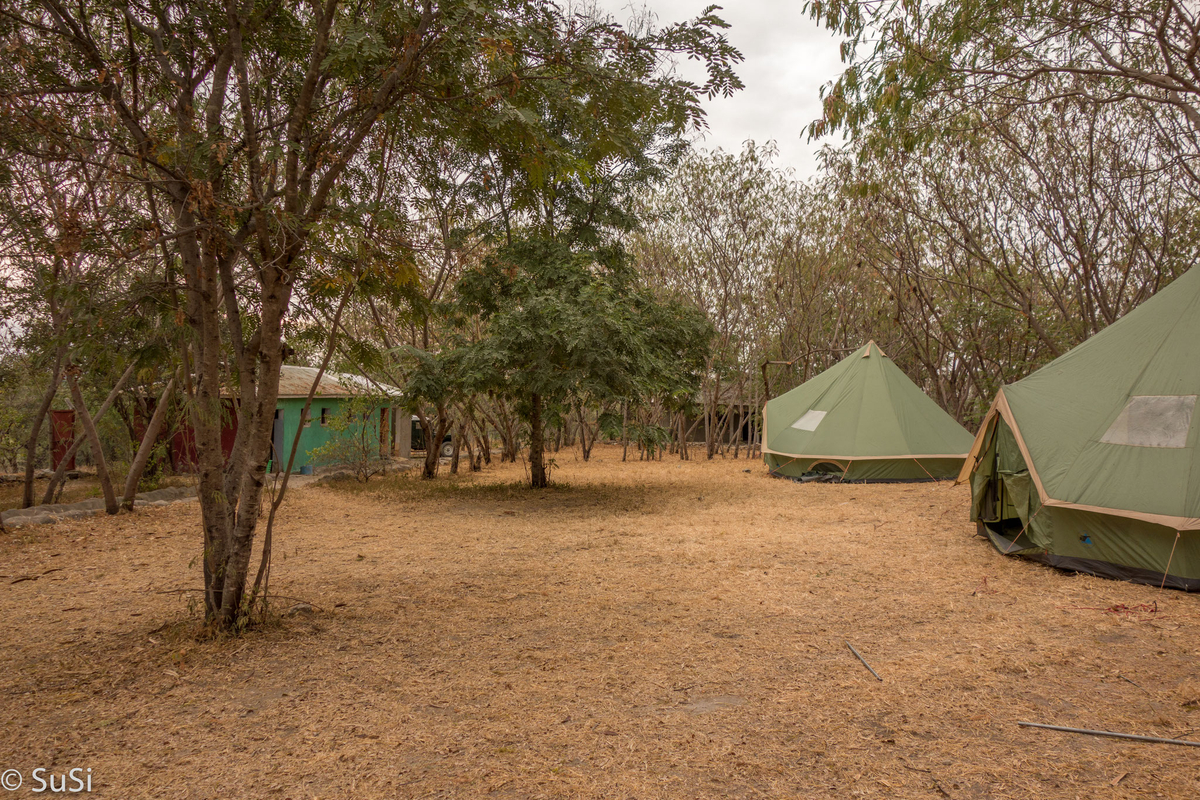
[788, 59]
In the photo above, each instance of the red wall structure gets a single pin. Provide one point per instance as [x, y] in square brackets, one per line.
[62, 436]
[183, 443]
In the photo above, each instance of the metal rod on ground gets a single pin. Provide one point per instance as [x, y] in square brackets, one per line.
[863, 660]
[1089, 732]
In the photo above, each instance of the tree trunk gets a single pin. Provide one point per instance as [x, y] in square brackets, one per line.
[508, 434]
[147, 446]
[721, 432]
[537, 464]
[262, 579]
[584, 444]
[458, 441]
[38, 418]
[434, 434]
[624, 430]
[710, 429]
[467, 440]
[89, 427]
[683, 451]
[57, 477]
[429, 469]
[754, 431]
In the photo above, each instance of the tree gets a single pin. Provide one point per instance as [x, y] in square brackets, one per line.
[969, 58]
[760, 253]
[242, 126]
[434, 381]
[561, 325]
[1020, 174]
[1001, 247]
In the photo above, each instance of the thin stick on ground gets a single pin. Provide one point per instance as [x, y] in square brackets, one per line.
[863, 660]
[1110, 734]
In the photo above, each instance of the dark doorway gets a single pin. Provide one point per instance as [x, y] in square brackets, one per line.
[277, 442]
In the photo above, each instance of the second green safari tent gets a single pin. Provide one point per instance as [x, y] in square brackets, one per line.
[862, 420]
[1092, 463]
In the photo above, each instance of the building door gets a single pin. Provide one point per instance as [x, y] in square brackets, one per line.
[277, 441]
[62, 437]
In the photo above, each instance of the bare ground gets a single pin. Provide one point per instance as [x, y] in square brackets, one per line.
[641, 630]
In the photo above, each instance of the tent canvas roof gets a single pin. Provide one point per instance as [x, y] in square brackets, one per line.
[1111, 425]
[863, 407]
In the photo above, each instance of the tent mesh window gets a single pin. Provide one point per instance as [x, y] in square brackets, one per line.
[809, 421]
[1153, 421]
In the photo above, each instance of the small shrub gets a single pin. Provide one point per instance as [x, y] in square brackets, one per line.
[354, 443]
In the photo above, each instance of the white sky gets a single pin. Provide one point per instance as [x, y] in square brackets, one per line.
[788, 59]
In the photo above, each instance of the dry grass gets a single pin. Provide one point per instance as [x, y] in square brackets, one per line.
[642, 630]
[12, 491]
[12, 488]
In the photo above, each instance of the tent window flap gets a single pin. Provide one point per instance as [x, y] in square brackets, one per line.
[1153, 421]
[809, 421]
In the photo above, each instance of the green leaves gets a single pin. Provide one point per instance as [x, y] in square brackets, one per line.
[908, 61]
[571, 326]
[436, 378]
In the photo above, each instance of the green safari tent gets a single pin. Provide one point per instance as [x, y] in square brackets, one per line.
[862, 420]
[1091, 462]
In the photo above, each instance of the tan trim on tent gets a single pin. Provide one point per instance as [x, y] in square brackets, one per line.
[863, 458]
[977, 446]
[1000, 407]
[1006, 411]
[1176, 523]
[762, 448]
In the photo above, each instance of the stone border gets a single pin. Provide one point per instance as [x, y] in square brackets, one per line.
[49, 514]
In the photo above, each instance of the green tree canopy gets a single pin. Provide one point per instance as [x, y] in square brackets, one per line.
[561, 324]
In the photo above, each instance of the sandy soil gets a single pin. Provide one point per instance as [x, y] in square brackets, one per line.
[639, 631]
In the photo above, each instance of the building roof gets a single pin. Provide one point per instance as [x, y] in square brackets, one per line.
[296, 382]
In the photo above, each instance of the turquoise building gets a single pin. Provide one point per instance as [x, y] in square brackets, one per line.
[384, 421]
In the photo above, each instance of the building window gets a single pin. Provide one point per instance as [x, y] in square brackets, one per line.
[324, 416]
